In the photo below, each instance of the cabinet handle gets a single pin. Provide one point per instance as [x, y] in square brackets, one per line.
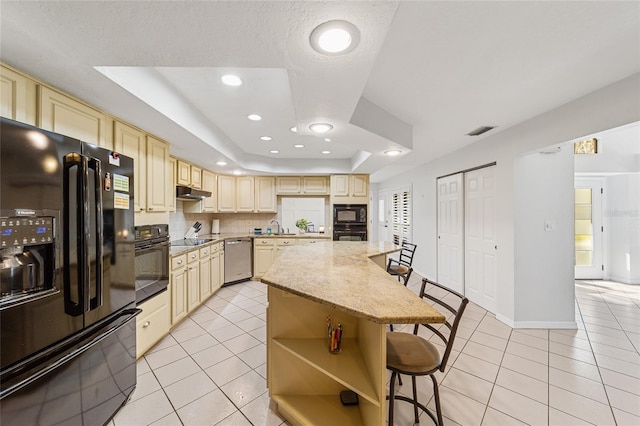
[193, 256]
[179, 262]
[150, 208]
[146, 324]
[312, 242]
[286, 242]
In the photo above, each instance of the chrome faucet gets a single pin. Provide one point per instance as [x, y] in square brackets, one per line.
[278, 229]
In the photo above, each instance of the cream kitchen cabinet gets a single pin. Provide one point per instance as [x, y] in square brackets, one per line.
[208, 204]
[189, 175]
[217, 277]
[226, 194]
[62, 114]
[17, 96]
[178, 288]
[171, 189]
[205, 273]
[193, 280]
[263, 255]
[131, 142]
[288, 185]
[245, 194]
[281, 244]
[153, 323]
[158, 174]
[315, 185]
[302, 185]
[265, 199]
[349, 189]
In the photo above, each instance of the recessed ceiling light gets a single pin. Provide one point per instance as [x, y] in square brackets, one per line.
[221, 163]
[327, 140]
[231, 80]
[326, 152]
[334, 37]
[298, 145]
[266, 138]
[237, 172]
[393, 152]
[254, 117]
[294, 129]
[274, 151]
[321, 127]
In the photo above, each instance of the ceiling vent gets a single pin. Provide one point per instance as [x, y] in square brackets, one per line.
[480, 130]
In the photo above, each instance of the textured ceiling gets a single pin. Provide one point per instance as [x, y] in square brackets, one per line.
[424, 74]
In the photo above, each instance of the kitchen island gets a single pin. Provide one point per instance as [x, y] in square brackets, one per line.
[343, 280]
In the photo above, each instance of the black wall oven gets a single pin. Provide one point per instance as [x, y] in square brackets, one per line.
[152, 260]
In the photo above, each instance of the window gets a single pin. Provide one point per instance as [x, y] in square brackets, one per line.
[401, 215]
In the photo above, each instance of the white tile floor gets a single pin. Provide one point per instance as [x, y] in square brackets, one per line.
[211, 369]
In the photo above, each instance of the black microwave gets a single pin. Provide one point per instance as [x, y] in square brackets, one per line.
[349, 213]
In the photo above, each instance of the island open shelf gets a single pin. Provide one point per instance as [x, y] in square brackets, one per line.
[303, 377]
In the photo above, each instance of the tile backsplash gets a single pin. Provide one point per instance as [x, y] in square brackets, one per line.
[180, 222]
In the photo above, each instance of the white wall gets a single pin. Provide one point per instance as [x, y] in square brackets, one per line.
[622, 217]
[609, 107]
[618, 151]
[544, 232]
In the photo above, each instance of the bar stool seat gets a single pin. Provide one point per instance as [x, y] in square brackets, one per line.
[411, 354]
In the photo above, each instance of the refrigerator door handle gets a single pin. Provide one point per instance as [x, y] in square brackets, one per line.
[96, 301]
[73, 298]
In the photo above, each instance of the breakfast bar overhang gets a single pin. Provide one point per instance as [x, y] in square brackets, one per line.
[348, 282]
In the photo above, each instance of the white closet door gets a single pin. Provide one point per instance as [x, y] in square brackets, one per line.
[480, 245]
[451, 232]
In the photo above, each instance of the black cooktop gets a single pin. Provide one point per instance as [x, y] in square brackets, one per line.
[191, 241]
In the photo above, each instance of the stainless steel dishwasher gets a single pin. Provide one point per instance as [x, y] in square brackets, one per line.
[238, 260]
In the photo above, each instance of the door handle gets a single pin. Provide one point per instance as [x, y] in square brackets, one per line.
[95, 165]
[72, 307]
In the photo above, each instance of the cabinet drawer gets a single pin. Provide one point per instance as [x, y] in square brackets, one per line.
[178, 261]
[213, 248]
[286, 242]
[263, 241]
[205, 251]
[193, 256]
[153, 323]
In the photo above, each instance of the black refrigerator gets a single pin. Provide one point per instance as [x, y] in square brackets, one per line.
[67, 302]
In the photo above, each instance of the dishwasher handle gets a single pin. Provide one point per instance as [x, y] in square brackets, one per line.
[236, 242]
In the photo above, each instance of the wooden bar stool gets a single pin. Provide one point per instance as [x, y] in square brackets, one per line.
[415, 356]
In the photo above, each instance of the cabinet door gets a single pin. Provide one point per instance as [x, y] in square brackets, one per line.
[266, 194]
[359, 185]
[193, 286]
[245, 196]
[210, 204]
[226, 194]
[132, 143]
[158, 175]
[69, 117]
[288, 185]
[216, 281]
[221, 251]
[263, 258]
[314, 185]
[205, 278]
[184, 173]
[171, 189]
[178, 295]
[17, 96]
[340, 185]
[196, 177]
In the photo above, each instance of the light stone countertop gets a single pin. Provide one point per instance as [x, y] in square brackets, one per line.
[216, 238]
[341, 275]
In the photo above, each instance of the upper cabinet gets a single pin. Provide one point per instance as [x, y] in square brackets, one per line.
[189, 175]
[209, 183]
[302, 185]
[226, 194]
[64, 115]
[349, 189]
[245, 194]
[17, 96]
[132, 143]
[158, 176]
[265, 200]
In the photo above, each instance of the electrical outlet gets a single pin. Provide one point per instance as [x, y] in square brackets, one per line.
[548, 225]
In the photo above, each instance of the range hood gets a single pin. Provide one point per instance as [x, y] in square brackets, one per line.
[185, 193]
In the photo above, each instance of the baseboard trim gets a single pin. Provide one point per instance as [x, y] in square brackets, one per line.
[570, 325]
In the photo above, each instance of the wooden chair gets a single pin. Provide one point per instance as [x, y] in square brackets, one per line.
[400, 266]
[415, 356]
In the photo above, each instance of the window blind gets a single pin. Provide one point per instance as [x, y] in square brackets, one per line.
[401, 216]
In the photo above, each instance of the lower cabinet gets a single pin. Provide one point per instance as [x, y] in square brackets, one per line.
[178, 288]
[266, 250]
[153, 323]
[205, 273]
[193, 280]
